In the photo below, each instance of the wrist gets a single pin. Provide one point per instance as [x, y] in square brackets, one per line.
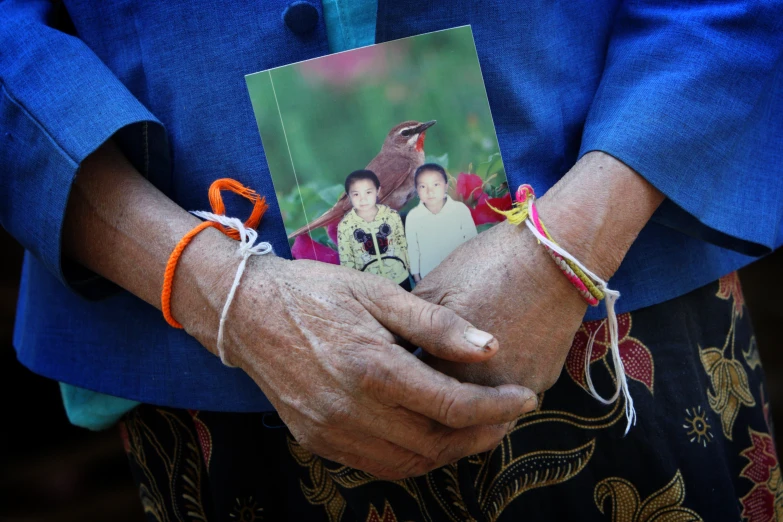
[597, 210]
[202, 281]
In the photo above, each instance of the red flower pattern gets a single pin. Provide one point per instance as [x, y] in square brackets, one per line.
[204, 437]
[764, 502]
[729, 287]
[636, 357]
[387, 515]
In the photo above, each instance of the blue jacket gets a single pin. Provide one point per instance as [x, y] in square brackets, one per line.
[690, 96]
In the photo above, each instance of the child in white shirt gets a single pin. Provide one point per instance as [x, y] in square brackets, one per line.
[438, 225]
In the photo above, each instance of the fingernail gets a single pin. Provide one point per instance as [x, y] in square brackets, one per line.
[479, 338]
[531, 402]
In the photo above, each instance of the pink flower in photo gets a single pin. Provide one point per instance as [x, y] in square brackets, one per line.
[331, 231]
[483, 212]
[342, 69]
[469, 185]
[305, 248]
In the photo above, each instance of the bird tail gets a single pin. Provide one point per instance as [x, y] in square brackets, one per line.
[332, 215]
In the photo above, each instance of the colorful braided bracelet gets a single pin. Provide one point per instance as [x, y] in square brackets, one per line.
[591, 287]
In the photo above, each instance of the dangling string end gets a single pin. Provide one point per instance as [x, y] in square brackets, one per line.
[233, 228]
[592, 288]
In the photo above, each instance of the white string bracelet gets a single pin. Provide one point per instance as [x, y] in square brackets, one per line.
[247, 248]
[611, 297]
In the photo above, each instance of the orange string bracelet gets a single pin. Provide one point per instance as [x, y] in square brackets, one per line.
[216, 202]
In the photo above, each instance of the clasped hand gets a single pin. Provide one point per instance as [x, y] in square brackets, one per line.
[322, 343]
[505, 283]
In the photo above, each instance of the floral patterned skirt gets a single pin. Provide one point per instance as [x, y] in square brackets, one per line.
[701, 449]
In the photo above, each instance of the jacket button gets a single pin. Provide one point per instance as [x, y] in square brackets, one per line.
[300, 17]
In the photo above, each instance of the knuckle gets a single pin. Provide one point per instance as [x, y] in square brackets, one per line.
[443, 320]
[376, 376]
[450, 412]
[425, 315]
[449, 454]
[432, 444]
[434, 324]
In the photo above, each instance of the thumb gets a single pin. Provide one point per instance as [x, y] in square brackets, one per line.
[436, 329]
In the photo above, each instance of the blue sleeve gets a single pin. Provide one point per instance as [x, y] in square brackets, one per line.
[691, 98]
[58, 103]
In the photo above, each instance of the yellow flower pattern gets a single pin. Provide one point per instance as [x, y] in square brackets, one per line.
[171, 455]
[665, 505]
[728, 378]
[730, 384]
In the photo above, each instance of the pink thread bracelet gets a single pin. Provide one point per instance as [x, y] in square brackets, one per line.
[526, 195]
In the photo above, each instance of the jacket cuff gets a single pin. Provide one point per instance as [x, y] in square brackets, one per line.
[58, 104]
[703, 128]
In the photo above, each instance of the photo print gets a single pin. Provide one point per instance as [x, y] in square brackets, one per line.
[384, 158]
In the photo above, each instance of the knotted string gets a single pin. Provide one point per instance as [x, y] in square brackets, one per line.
[233, 228]
[247, 248]
[595, 287]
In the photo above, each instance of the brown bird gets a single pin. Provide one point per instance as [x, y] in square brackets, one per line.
[401, 154]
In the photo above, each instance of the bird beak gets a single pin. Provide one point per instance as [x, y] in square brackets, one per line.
[424, 126]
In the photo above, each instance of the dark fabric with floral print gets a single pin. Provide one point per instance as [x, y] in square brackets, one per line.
[701, 448]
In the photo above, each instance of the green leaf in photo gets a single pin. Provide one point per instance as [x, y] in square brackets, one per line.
[331, 194]
[442, 160]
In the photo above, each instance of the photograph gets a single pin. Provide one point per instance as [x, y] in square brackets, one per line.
[384, 158]
[391, 261]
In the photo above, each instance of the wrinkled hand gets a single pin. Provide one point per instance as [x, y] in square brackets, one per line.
[317, 339]
[504, 282]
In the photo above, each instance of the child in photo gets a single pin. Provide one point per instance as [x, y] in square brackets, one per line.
[438, 224]
[371, 236]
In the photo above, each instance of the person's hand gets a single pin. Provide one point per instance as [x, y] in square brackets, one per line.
[504, 282]
[317, 339]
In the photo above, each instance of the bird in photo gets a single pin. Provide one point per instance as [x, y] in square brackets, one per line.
[401, 154]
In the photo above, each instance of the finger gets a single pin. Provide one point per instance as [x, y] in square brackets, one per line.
[440, 444]
[402, 379]
[430, 445]
[434, 328]
[373, 455]
[390, 457]
[367, 465]
[469, 441]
